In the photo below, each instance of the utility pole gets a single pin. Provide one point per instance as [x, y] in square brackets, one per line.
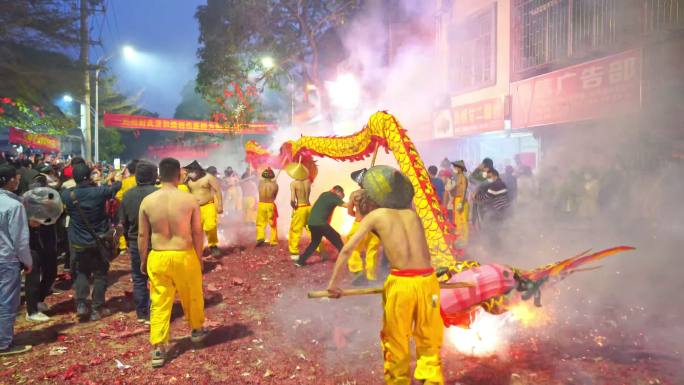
[84, 59]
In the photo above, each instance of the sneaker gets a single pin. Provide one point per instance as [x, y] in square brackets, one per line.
[198, 335]
[15, 349]
[215, 251]
[97, 315]
[299, 264]
[260, 243]
[144, 320]
[294, 257]
[37, 317]
[122, 252]
[43, 307]
[81, 310]
[158, 357]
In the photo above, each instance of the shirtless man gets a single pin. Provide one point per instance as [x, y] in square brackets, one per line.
[233, 193]
[267, 212]
[206, 189]
[169, 221]
[300, 190]
[370, 244]
[411, 292]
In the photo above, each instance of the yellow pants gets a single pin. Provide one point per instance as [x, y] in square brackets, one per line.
[266, 216]
[411, 308]
[209, 218]
[370, 245]
[171, 272]
[300, 216]
[249, 209]
[122, 243]
[461, 221]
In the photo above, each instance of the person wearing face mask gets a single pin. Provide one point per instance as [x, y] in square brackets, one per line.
[494, 202]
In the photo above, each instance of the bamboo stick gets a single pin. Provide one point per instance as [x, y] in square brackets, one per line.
[378, 290]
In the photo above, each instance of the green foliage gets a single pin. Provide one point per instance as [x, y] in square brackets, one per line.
[17, 113]
[192, 105]
[236, 34]
[111, 145]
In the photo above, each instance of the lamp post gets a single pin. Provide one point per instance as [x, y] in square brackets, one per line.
[128, 53]
[69, 99]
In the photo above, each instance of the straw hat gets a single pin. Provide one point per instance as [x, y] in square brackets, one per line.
[297, 171]
[194, 166]
[388, 187]
[460, 164]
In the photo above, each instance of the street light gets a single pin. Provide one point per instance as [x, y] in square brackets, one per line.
[268, 63]
[129, 53]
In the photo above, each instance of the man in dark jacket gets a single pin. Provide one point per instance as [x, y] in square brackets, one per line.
[145, 177]
[87, 259]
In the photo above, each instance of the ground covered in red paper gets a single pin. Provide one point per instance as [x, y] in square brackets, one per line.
[265, 331]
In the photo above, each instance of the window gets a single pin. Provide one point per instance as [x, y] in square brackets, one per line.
[472, 45]
[663, 14]
[543, 32]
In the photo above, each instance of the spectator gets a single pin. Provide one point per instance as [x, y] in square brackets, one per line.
[511, 182]
[14, 251]
[38, 285]
[146, 177]
[87, 259]
[437, 183]
[527, 188]
[127, 184]
[493, 200]
[588, 196]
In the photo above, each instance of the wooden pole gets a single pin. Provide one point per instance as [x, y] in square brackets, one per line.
[375, 154]
[378, 290]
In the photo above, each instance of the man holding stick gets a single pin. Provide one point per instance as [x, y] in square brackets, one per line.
[411, 296]
[206, 189]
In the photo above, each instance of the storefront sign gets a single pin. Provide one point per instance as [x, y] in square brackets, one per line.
[483, 116]
[590, 90]
[149, 123]
[37, 141]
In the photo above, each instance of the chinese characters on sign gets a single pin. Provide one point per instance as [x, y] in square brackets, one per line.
[589, 90]
[148, 123]
[37, 141]
[486, 115]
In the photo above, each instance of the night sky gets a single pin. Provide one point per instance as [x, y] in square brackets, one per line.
[165, 33]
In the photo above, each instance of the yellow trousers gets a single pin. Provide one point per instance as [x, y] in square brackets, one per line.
[411, 308]
[209, 218]
[171, 272]
[461, 221]
[122, 243]
[267, 216]
[249, 209]
[300, 216]
[370, 245]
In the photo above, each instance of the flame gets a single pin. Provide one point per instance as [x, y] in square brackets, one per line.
[491, 334]
[486, 335]
[530, 316]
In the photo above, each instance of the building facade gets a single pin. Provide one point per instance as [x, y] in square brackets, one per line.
[536, 78]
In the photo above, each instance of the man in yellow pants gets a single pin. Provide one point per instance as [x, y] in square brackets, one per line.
[250, 194]
[126, 184]
[300, 192]
[169, 221]
[267, 212]
[369, 244]
[206, 189]
[458, 188]
[411, 293]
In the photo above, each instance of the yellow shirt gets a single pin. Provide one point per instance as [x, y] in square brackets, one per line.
[126, 185]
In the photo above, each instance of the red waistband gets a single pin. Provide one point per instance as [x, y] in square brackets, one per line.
[411, 272]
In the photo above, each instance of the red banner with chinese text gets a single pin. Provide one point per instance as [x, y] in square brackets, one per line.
[590, 90]
[37, 141]
[161, 124]
[483, 116]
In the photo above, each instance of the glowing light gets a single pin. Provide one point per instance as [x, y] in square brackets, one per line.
[344, 92]
[529, 315]
[486, 336]
[267, 62]
[310, 87]
[129, 52]
[67, 98]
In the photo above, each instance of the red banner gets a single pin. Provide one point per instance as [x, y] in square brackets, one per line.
[590, 90]
[37, 141]
[483, 116]
[160, 124]
[181, 151]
